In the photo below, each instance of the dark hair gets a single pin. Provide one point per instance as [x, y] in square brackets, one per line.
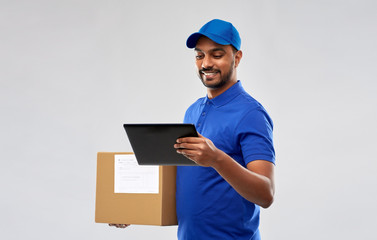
[234, 49]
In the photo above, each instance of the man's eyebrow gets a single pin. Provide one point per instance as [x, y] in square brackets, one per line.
[218, 49]
[211, 50]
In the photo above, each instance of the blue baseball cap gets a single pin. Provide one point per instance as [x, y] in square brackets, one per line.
[219, 31]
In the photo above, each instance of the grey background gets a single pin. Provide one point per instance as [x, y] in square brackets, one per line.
[72, 72]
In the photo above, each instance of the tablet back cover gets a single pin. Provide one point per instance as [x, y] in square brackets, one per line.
[153, 144]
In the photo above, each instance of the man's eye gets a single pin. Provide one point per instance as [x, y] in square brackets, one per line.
[199, 56]
[217, 56]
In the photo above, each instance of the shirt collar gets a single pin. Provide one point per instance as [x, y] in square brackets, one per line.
[226, 96]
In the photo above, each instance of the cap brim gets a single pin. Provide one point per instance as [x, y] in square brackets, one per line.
[193, 38]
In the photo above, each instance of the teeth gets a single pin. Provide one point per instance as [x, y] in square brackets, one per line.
[207, 74]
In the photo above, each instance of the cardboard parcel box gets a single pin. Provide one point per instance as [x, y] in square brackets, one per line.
[127, 193]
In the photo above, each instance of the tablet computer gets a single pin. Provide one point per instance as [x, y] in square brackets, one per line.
[153, 144]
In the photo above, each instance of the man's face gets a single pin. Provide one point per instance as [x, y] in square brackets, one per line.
[215, 63]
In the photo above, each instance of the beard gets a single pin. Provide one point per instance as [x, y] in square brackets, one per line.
[223, 78]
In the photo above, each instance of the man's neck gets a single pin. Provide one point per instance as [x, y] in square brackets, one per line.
[212, 93]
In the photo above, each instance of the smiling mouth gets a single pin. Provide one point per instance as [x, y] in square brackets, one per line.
[209, 74]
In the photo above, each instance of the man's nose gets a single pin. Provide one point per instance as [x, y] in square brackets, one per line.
[207, 62]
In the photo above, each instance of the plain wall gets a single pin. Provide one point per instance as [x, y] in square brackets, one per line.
[72, 72]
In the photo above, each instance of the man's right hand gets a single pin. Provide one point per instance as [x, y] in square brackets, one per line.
[118, 225]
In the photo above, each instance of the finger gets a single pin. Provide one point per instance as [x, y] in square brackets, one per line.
[187, 152]
[119, 225]
[189, 140]
[182, 145]
[187, 146]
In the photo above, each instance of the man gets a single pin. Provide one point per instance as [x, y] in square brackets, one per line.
[220, 198]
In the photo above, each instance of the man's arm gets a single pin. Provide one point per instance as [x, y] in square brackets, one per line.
[255, 183]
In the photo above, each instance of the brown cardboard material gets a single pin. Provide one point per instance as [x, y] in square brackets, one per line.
[134, 208]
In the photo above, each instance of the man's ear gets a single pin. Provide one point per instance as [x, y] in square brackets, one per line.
[237, 58]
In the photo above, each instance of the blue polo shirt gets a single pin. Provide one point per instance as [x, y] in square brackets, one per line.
[207, 206]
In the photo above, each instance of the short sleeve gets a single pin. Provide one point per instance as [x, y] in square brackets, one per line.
[254, 134]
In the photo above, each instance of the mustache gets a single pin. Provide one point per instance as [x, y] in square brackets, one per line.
[202, 70]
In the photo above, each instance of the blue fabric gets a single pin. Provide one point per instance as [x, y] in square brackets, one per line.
[207, 206]
[219, 31]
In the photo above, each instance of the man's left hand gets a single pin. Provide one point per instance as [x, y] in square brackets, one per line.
[198, 149]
